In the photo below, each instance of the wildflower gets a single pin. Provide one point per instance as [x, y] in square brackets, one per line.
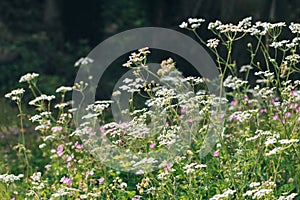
[83, 61]
[245, 68]
[123, 185]
[285, 141]
[275, 117]
[101, 180]
[77, 145]
[60, 150]
[43, 97]
[36, 177]
[152, 145]
[183, 25]
[15, 95]
[212, 43]
[216, 153]
[254, 184]
[288, 114]
[139, 172]
[66, 180]
[56, 129]
[28, 77]
[88, 173]
[274, 151]
[70, 157]
[213, 25]
[64, 89]
[295, 28]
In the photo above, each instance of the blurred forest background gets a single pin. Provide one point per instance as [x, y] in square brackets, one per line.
[48, 36]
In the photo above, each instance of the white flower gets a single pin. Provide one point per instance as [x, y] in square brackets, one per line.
[36, 177]
[279, 44]
[254, 184]
[285, 141]
[195, 20]
[83, 61]
[234, 82]
[245, 68]
[213, 25]
[183, 25]
[273, 151]
[295, 27]
[28, 77]
[270, 140]
[15, 95]
[212, 43]
[63, 89]
[43, 97]
[123, 185]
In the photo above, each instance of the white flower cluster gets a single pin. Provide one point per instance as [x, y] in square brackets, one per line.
[28, 77]
[169, 136]
[190, 168]
[192, 22]
[83, 61]
[43, 97]
[212, 43]
[15, 95]
[10, 178]
[137, 58]
[64, 89]
[295, 28]
[242, 116]
[234, 82]
[289, 197]
[225, 194]
[245, 68]
[166, 67]
[279, 44]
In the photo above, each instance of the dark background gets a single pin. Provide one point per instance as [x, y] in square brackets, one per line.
[48, 36]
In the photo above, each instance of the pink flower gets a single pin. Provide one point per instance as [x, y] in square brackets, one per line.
[167, 123]
[232, 118]
[77, 145]
[275, 117]
[152, 145]
[102, 128]
[88, 173]
[70, 158]
[216, 153]
[139, 172]
[288, 114]
[233, 103]
[169, 166]
[101, 180]
[66, 180]
[60, 150]
[190, 120]
[183, 110]
[56, 129]
[134, 198]
[181, 116]
[263, 110]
